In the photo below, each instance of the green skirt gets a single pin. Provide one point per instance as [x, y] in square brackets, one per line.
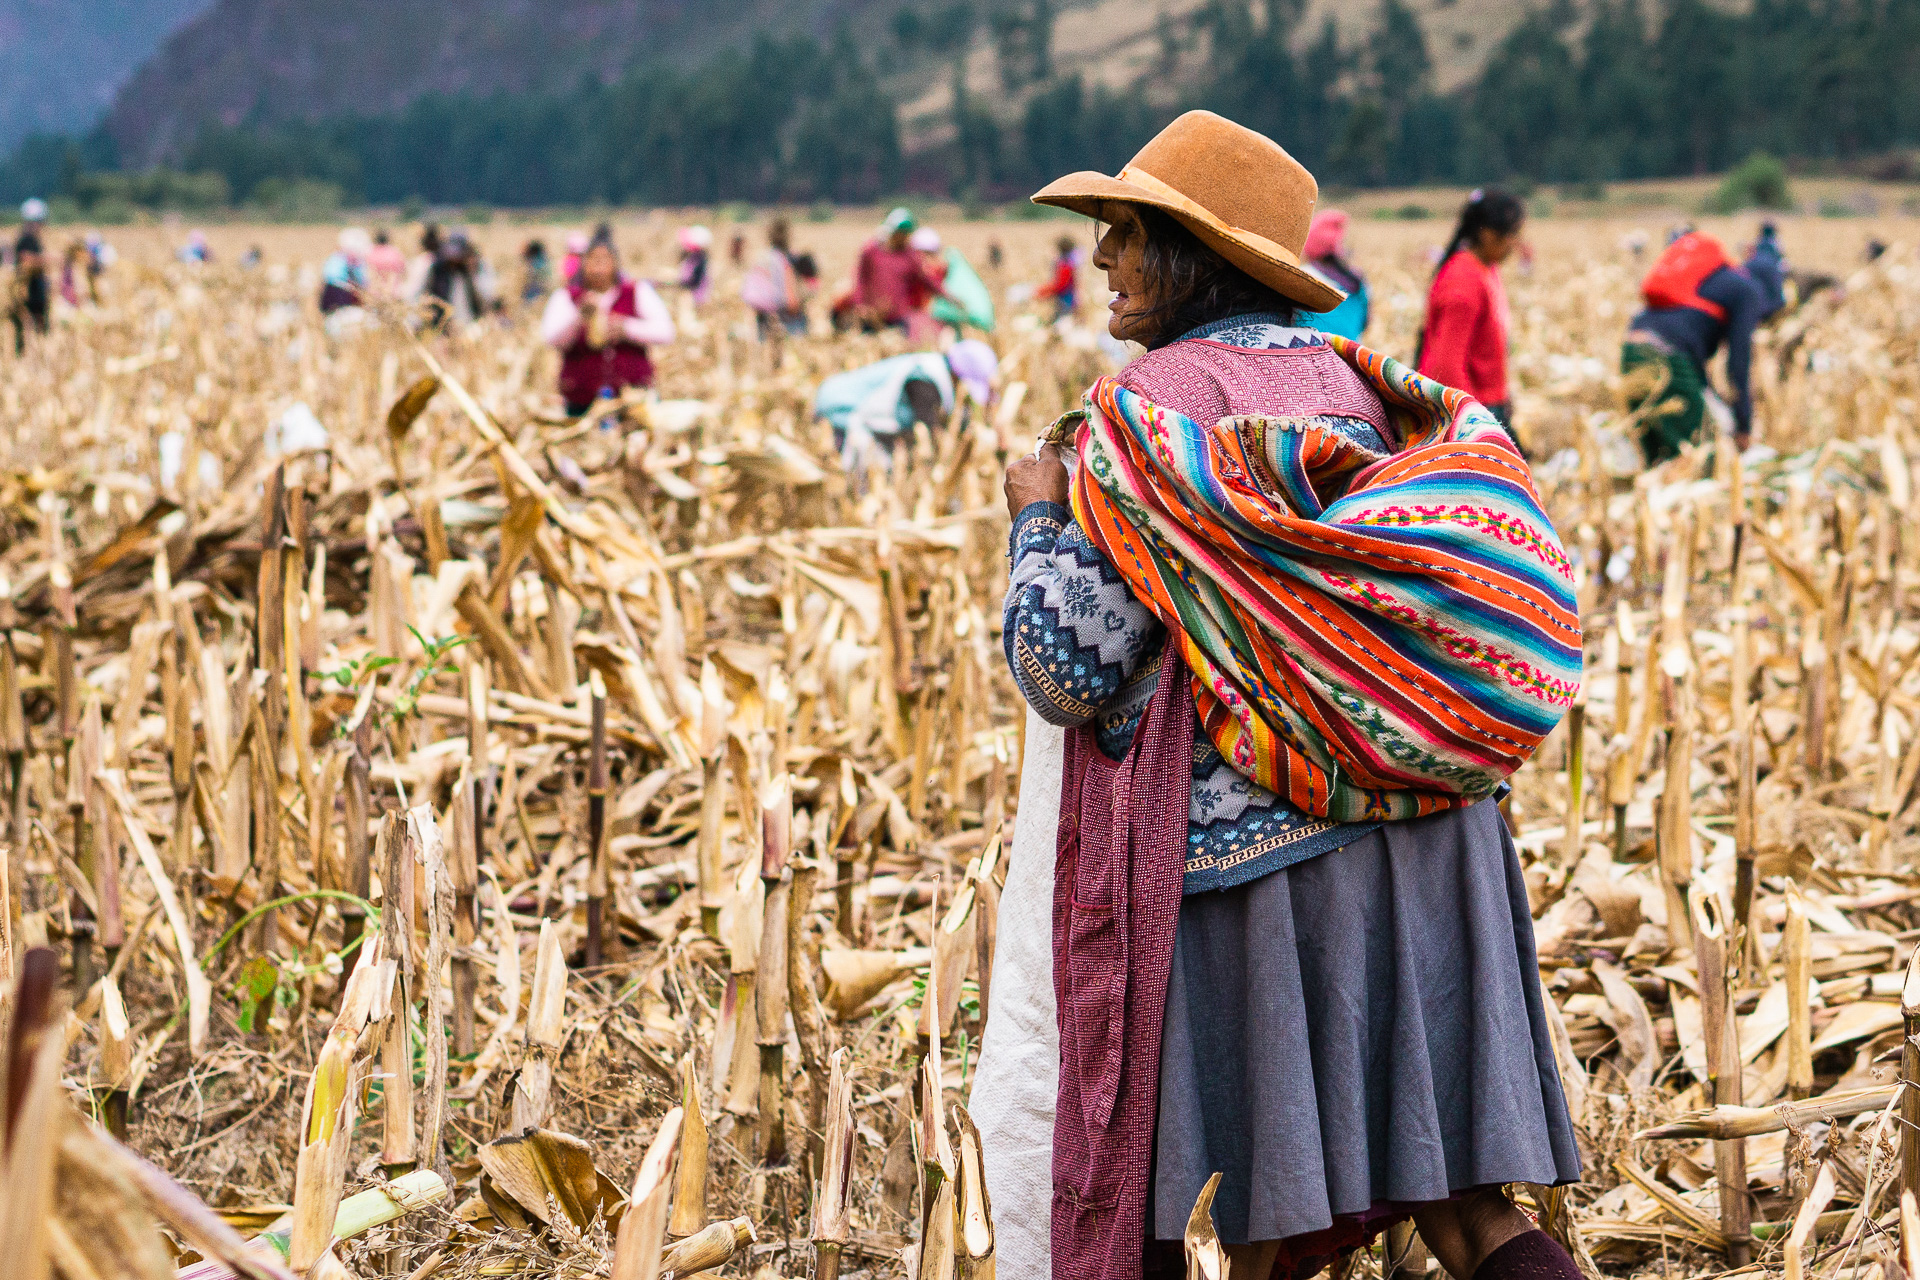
[1681, 405]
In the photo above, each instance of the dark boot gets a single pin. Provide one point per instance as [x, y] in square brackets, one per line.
[1532, 1255]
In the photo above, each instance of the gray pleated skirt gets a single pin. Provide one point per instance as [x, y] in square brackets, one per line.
[1359, 1029]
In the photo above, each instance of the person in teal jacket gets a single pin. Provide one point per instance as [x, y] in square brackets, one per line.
[1325, 255]
[869, 408]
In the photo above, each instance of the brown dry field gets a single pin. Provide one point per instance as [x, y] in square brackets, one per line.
[789, 661]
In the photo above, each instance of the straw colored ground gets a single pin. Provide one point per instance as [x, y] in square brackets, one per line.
[781, 653]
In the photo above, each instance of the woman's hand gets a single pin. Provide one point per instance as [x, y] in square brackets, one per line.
[1039, 477]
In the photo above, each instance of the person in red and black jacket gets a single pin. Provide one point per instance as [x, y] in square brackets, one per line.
[1696, 299]
[603, 322]
[1464, 341]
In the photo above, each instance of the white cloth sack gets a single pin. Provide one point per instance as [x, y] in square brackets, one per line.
[1019, 1072]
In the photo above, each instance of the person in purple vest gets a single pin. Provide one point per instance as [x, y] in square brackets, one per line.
[603, 322]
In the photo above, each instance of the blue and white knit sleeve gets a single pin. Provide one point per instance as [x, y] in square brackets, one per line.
[1075, 636]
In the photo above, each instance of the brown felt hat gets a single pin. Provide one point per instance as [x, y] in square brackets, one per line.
[1245, 197]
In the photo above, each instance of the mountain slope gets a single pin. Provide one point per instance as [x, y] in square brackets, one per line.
[1162, 47]
[62, 61]
[283, 60]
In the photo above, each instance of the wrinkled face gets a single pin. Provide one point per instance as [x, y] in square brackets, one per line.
[1122, 253]
[597, 268]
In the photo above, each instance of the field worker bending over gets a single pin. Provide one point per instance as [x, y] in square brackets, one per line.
[1286, 944]
[1697, 300]
[344, 279]
[603, 322]
[871, 407]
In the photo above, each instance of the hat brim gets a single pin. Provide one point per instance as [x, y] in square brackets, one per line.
[1085, 192]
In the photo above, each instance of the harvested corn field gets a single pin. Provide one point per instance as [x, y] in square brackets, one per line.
[449, 838]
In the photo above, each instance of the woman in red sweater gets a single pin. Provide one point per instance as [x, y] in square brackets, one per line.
[1464, 341]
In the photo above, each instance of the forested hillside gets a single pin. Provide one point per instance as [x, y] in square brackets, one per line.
[980, 99]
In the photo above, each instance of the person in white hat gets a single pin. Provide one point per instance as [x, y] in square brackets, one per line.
[28, 296]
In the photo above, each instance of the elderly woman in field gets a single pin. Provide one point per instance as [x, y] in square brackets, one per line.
[1290, 938]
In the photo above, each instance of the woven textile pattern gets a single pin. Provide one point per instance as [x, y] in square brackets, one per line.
[1207, 379]
[1116, 902]
[1371, 637]
[1084, 652]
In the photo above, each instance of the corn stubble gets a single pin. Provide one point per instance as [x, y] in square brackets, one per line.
[489, 843]
[419, 816]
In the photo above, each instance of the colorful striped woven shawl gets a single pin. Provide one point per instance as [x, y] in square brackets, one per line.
[1396, 651]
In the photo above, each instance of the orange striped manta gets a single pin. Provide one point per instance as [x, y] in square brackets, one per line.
[1371, 637]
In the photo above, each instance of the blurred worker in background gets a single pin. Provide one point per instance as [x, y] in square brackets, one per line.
[1464, 341]
[100, 256]
[696, 275]
[773, 288]
[1064, 285]
[1767, 266]
[422, 264]
[576, 246]
[887, 278]
[1697, 300]
[922, 328]
[602, 322]
[872, 407]
[73, 272]
[538, 277]
[344, 279]
[1326, 256]
[386, 265]
[29, 299]
[459, 287]
[196, 253]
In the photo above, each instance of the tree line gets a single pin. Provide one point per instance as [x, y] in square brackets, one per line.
[1576, 92]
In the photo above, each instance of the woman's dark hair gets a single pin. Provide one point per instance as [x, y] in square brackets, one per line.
[1194, 284]
[1496, 211]
[602, 238]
